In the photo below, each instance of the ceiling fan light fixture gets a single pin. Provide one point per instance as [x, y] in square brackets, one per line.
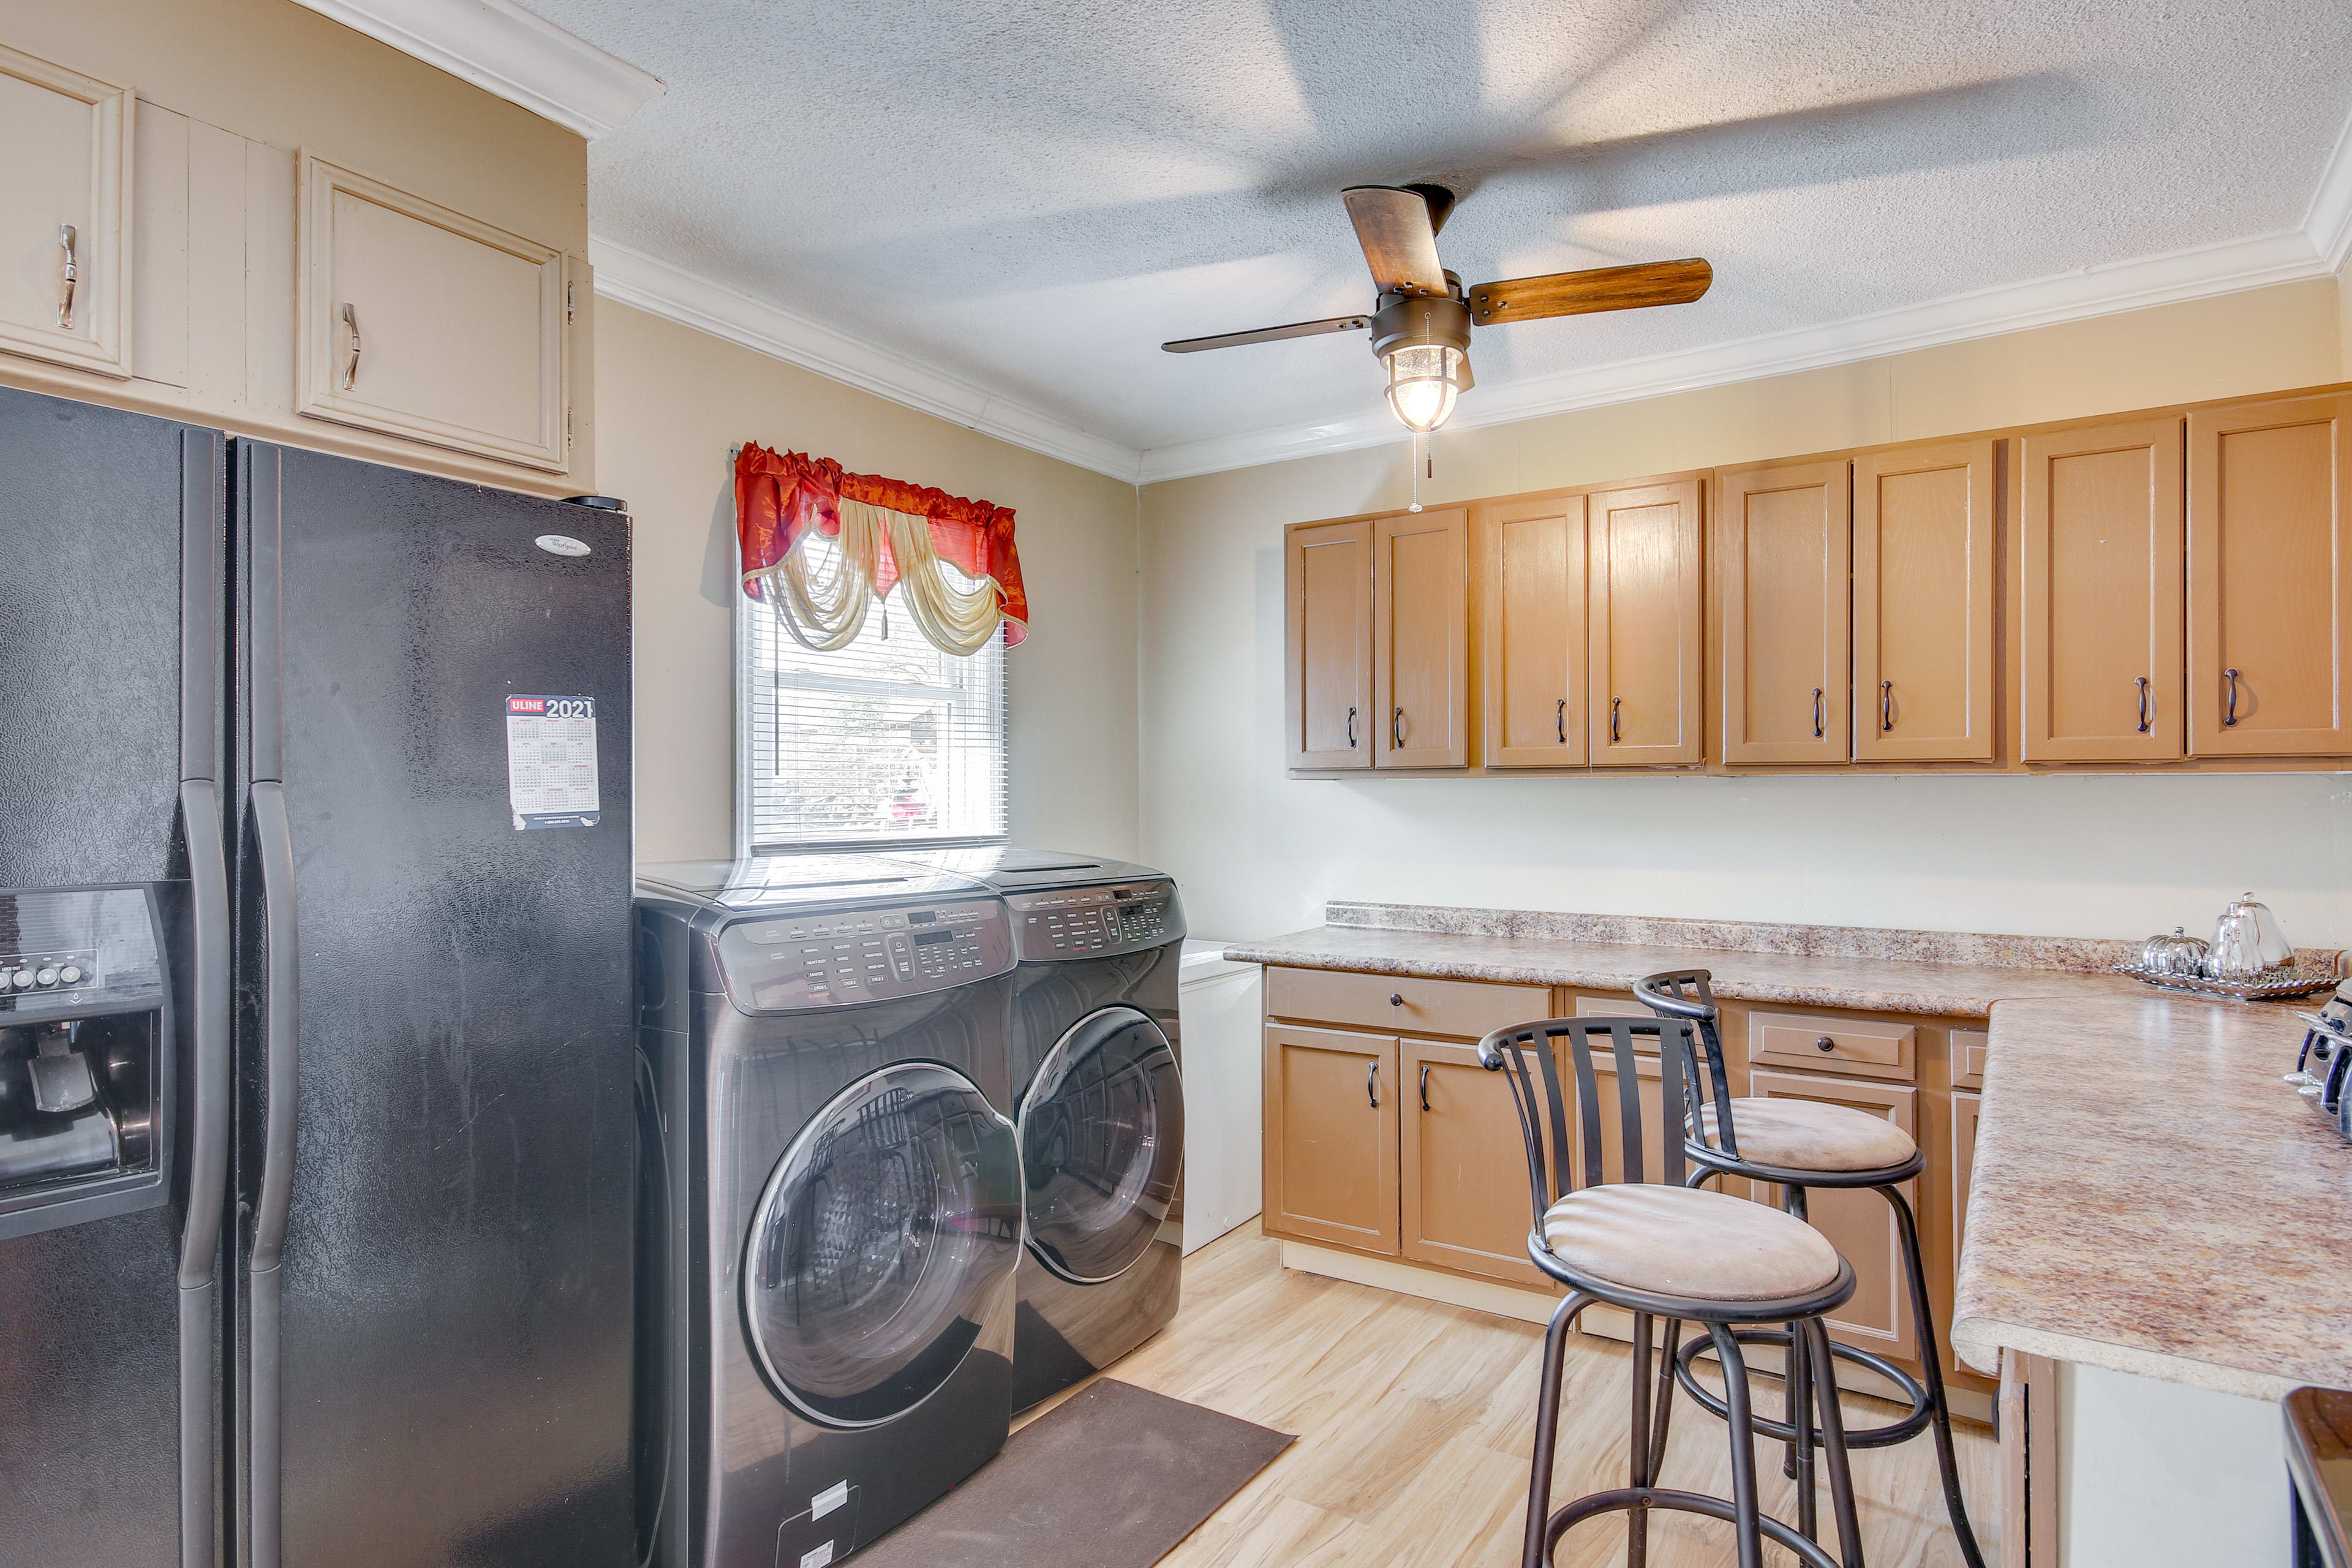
[1423, 381]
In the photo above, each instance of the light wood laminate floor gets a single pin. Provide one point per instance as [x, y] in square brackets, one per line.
[1415, 1419]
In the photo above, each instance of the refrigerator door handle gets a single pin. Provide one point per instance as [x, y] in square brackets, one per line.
[207, 1161]
[274, 844]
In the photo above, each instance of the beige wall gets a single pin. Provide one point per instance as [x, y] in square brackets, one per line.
[674, 401]
[2083, 856]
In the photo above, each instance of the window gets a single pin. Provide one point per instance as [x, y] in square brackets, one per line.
[885, 743]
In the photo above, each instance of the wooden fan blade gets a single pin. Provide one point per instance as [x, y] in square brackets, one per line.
[1270, 334]
[1400, 242]
[1596, 289]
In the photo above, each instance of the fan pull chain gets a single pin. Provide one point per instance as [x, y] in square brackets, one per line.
[1416, 473]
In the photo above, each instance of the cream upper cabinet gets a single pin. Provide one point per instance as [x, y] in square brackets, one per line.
[1781, 559]
[1644, 636]
[1532, 565]
[1327, 628]
[1923, 604]
[2270, 579]
[2101, 569]
[65, 216]
[1420, 639]
[420, 322]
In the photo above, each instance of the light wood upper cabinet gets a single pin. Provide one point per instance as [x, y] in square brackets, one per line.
[1420, 639]
[1462, 1162]
[1858, 1222]
[65, 216]
[2101, 565]
[1328, 579]
[420, 322]
[1645, 617]
[2270, 579]
[1782, 555]
[1923, 604]
[1532, 568]
[1331, 1137]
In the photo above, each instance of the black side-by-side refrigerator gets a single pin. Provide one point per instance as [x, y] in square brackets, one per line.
[316, 1128]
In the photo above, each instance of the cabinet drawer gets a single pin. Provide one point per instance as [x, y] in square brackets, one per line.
[1840, 1045]
[1589, 1005]
[1968, 1057]
[1465, 1009]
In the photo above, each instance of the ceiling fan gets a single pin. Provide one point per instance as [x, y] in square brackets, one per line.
[1420, 324]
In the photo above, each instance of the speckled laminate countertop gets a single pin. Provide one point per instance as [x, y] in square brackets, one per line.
[1867, 983]
[2149, 1197]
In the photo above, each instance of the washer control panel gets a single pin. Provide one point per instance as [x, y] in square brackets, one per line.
[1089, 922]
[847, 958]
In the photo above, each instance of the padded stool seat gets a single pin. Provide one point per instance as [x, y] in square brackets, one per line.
[1683, 1241]
[1807, 1136]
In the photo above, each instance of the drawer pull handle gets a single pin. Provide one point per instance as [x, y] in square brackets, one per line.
[1560, 722]
[1885, 705]
[351, 371]
[2229, 711]
[66, 242]
[2145, 720]
[1351, 729]
[1372, 1083]
[1818, 716]
[1615, 703]
[1824, 1044]
[1396, 729]
[1424, 1086]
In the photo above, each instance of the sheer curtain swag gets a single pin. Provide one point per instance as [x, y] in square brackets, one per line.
[887, 533]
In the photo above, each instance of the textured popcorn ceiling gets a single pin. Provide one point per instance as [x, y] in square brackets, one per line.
[1032, 196]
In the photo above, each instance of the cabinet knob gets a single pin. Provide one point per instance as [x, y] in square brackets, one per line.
[1824, 1044]
[1396, 999]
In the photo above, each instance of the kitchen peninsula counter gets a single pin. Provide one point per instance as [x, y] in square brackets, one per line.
[2150, 1198]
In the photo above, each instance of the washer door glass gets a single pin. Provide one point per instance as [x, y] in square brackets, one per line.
[1102, 1140]
[882, 1241]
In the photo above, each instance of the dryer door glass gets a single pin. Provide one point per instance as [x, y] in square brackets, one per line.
[1102, 1142]
[881, 1245]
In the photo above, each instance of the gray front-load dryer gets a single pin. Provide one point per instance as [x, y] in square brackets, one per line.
[1098, 1096]
[830, 1203]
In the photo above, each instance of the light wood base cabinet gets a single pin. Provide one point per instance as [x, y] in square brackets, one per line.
[1434, 1174]
[1331, 1137]
[1462, 1153]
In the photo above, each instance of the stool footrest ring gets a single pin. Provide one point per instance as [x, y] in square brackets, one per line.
[1626, 1499]
[1900, 1431]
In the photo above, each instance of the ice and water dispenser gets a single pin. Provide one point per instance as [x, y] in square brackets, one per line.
[85, 1074]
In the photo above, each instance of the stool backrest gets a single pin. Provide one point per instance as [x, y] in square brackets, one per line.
[1527, 1056]
[1686, 993]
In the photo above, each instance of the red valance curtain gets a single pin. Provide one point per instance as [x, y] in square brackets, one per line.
[783, 498]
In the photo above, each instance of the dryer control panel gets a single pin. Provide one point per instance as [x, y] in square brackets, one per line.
[1089, 923]
[819, 959]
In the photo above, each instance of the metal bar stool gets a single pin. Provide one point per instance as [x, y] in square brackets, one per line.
[1798, 1144]
[1664, 1250]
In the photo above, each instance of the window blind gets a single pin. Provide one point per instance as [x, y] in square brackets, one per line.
[884, 742]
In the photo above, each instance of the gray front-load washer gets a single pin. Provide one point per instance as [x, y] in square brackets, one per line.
[1098, 1099]
[830, 1203]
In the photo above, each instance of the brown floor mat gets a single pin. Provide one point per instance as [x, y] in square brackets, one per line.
[1112, 1478]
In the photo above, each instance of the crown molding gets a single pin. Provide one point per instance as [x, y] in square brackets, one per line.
[2329, 219]
[632, 278]
[502, 48]
[2194, 274]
